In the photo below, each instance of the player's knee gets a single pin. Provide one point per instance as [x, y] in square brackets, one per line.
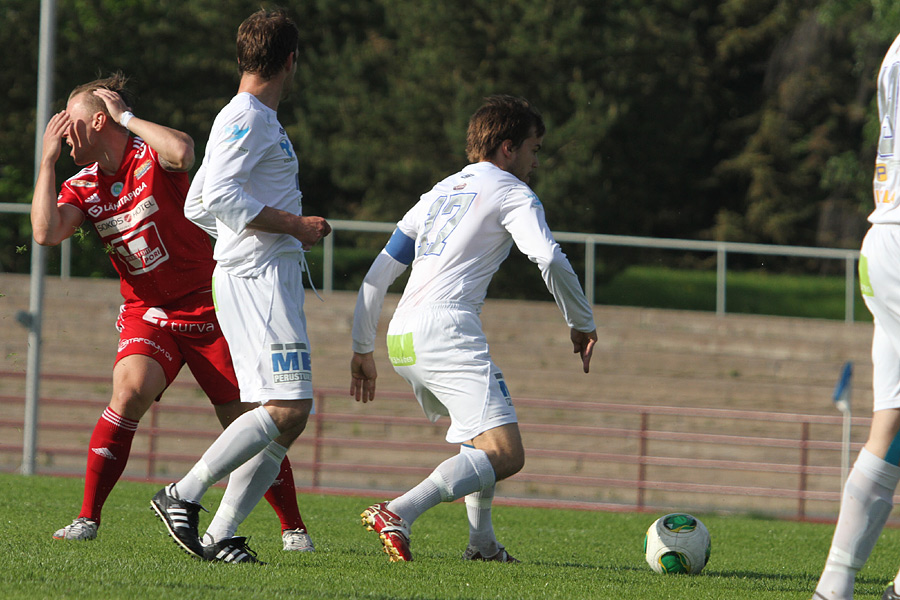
[291, 419]
[508, 463]
[130, 402]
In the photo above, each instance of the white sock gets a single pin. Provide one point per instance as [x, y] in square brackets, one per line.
[241, 441]
[454, 478]
[478, 510]
[865, 507]
[246, 487]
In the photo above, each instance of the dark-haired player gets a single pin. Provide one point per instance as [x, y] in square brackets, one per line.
[455, 238]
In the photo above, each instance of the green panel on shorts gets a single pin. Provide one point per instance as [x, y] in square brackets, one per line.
[215, 306]
[865, 286]
[401, 350]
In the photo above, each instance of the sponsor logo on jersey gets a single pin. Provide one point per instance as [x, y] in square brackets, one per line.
[285, 145]
[884, 197]
[291, 362]
[535, 203]
[143, 168]
[141, 250]
[466, 175]
[127, 220]
[82, 183]
[116, 189]
[461, 186]
[114, 206]
[93, 199]
[234, 134]
[157, 349]
[158, 317]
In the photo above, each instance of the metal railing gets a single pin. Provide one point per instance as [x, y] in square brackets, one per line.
[590, 241]
[583, 454]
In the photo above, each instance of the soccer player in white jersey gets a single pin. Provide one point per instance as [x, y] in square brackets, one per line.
[868, 492]
[455, 237]
[247, 189]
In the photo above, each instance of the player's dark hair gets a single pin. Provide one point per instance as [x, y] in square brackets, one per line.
[501, 118]
[264, 42]
[116, 82]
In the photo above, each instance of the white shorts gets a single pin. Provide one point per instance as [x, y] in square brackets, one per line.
[443, 354]
[262, 320]
[879, 279]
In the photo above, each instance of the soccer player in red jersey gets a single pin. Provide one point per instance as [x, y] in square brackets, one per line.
[132, 189]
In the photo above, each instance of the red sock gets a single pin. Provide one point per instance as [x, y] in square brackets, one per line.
[107, 456]
[283, 498]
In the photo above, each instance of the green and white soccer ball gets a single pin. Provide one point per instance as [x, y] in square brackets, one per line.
[677, 543]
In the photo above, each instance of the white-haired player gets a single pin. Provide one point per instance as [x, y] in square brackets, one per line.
[456, 237]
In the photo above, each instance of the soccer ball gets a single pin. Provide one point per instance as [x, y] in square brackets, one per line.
[677, 543]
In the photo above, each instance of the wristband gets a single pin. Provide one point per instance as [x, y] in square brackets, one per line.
[125, 117]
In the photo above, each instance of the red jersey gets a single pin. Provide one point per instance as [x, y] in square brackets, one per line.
[139, 214]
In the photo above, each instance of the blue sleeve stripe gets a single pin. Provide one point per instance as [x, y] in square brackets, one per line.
[401, 248]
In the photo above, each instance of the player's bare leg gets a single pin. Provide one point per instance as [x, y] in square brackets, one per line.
[137, 381]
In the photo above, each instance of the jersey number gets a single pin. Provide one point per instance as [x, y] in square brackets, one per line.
[888, 103]
[444, 215]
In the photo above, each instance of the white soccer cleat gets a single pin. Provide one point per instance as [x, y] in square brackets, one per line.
[297, 540]
[81, 528]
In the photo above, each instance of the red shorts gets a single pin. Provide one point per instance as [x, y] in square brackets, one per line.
[184, 332]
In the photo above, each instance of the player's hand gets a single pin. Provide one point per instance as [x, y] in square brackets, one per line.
[115, 105]
[311, 230]
[583, 344]
[57, 130]
[362, 376]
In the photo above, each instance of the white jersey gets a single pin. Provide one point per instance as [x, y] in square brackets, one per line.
[463, 230]
[249, 164]
[886, 183]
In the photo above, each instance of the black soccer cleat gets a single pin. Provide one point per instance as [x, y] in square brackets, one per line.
[231, 550]
[181, 519]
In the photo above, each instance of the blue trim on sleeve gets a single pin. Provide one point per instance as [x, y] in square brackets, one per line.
[401, 248]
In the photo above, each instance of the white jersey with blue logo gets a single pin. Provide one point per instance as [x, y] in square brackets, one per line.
[249, 163]
[886, 182]
[456, 237]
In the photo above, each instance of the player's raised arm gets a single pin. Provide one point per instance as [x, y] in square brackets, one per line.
[51, 224]
[175, 148]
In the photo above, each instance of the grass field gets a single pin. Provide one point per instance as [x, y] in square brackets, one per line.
[566, 554]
